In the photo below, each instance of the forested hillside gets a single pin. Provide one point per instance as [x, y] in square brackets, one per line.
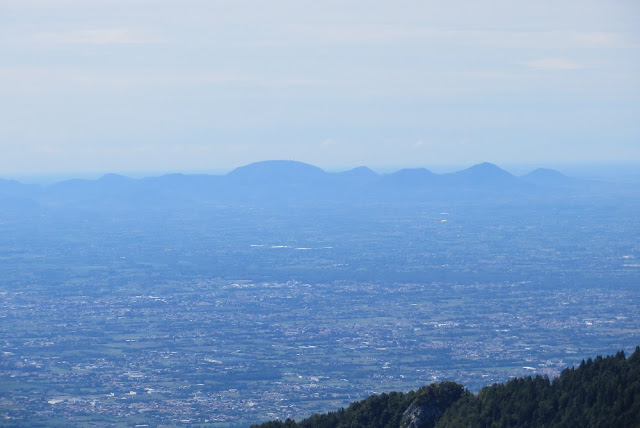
[601, 392]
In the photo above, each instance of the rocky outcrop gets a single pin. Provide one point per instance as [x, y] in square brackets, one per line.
[430, 404]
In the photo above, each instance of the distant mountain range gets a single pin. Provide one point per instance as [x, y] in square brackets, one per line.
[281, 181]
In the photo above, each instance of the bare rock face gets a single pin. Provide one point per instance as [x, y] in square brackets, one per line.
[430, 404]
[417, 416]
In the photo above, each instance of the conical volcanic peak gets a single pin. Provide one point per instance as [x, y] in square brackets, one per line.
[359, 172]
[276, 172]
[485, 170]
[411, 177]
[546, 176]
[483, 174]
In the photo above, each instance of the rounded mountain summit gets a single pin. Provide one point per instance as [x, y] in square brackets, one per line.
[277, 172]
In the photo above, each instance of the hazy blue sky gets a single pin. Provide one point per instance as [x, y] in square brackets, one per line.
[156, 85]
